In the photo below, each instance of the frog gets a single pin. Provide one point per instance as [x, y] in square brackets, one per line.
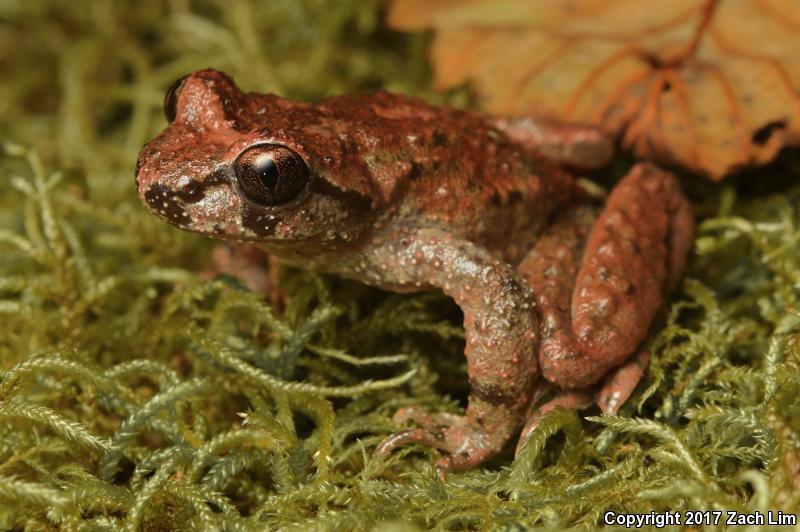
[558, 292]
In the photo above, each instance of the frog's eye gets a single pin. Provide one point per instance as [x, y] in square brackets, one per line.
[171, 99]
[270, 174]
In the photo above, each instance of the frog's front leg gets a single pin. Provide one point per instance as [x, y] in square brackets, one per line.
[500, 325]
[252, 265]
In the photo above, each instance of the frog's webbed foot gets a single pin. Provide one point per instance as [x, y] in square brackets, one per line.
[466, 444]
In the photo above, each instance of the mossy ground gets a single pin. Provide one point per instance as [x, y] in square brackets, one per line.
[135, 394]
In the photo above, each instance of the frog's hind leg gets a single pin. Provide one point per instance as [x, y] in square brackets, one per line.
[579, 146]
[634, 254]
[550, 268]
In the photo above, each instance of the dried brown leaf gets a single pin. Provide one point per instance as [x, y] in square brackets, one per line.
[709, 84]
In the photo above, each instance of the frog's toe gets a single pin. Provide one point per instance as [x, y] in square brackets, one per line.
[421, 417]
[406, 437]
[619, 384]
[466, 445]
[466, 458]
[433, 430]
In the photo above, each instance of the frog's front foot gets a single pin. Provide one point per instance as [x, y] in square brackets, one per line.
[466, 443]
[247, 263]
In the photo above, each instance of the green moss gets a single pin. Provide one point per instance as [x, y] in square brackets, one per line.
[137, 394]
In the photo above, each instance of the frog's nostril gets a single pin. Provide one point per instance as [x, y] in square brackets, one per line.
[171, 99]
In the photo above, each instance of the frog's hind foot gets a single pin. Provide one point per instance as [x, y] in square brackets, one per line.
[466, 445]
[616, 388]
[569, 399]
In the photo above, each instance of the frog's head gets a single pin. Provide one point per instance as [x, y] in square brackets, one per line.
[252, 167]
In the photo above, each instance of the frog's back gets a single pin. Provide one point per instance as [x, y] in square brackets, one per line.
[451, 168]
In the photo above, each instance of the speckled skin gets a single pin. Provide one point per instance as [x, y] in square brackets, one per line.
[407, 197]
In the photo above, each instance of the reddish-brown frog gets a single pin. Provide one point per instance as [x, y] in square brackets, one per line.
[405, 196]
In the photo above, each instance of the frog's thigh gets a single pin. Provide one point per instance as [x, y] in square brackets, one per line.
[551, 267]
[635, 252]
